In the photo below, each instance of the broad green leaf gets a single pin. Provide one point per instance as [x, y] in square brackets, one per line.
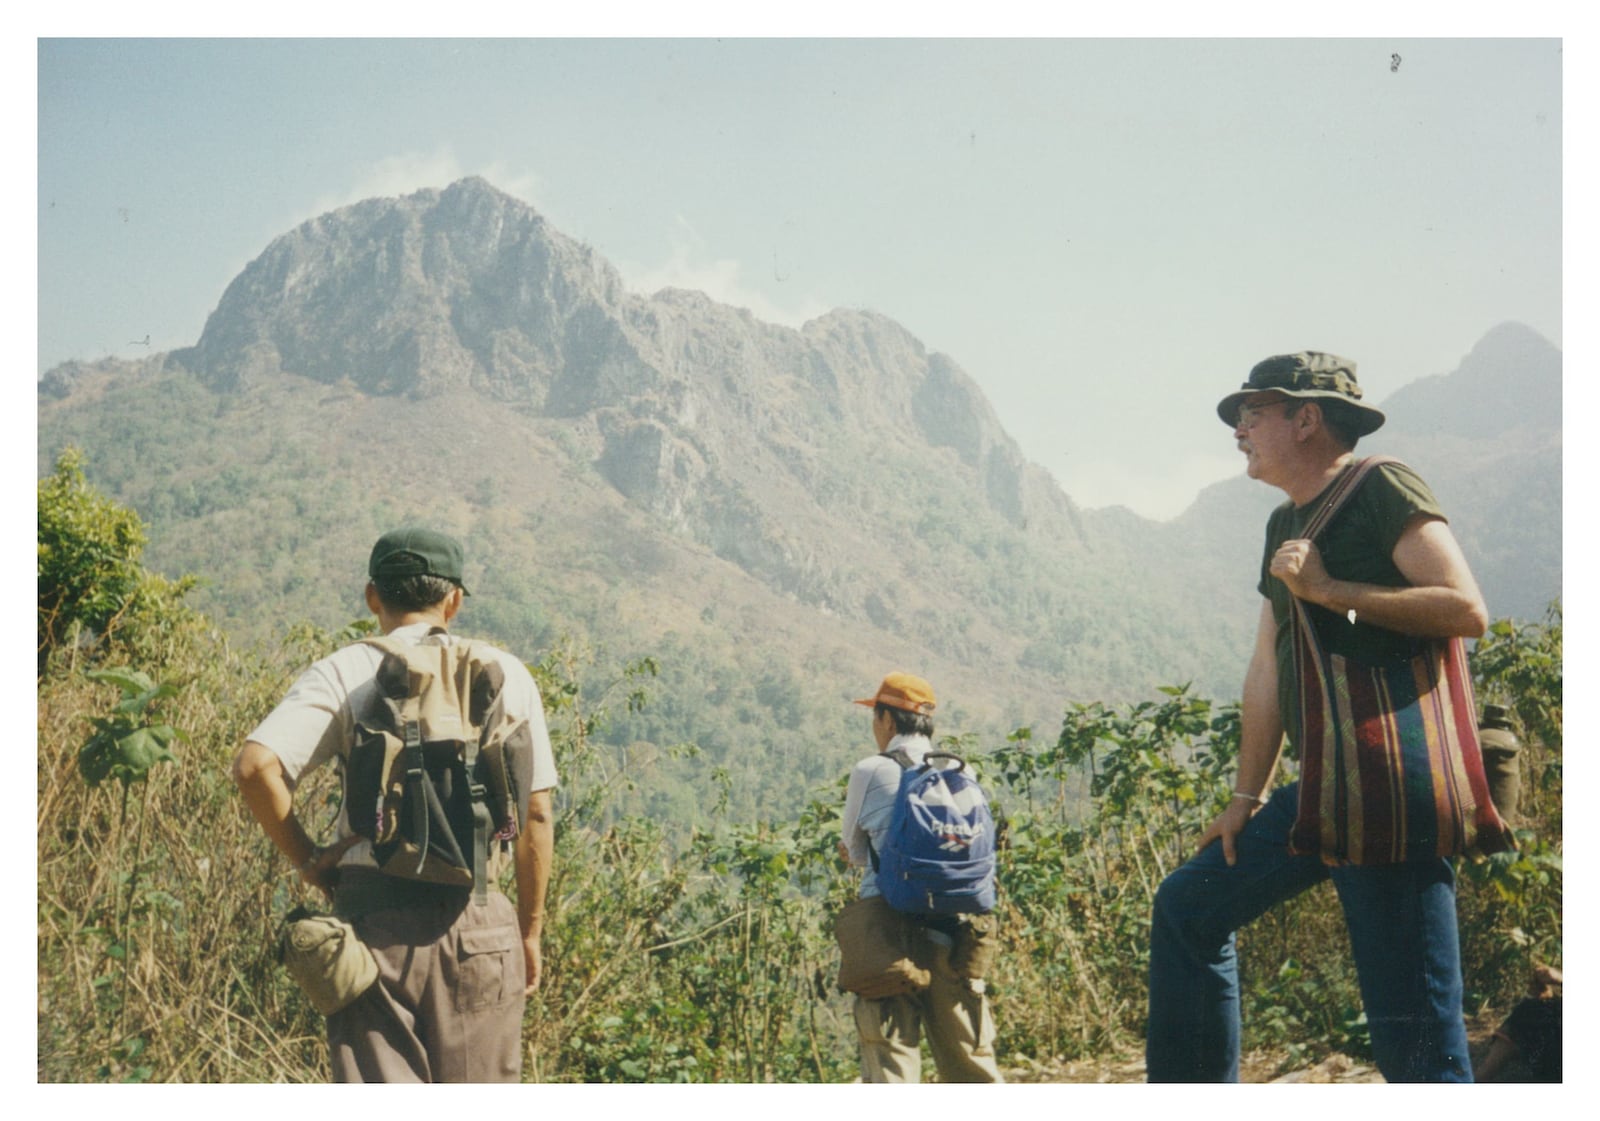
[131, 681]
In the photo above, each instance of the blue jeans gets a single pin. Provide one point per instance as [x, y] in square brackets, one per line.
[1402, 924]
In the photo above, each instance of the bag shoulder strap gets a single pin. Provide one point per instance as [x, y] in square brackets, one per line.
[1343, 489]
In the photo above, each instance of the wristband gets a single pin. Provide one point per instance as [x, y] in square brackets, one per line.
[1256, 798]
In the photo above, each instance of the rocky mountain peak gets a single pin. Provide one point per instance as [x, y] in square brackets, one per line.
[469, 289]
[1511, 378]
[432, 292]
[737, 433]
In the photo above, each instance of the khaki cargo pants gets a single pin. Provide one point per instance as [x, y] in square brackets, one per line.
[447, 1005]
[952, 1010]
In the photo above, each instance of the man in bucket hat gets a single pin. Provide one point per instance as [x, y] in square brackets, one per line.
[953, 1009]
[1385, 569]
[454, 971]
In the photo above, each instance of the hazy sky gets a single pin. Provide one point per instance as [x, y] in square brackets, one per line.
[1105, 234]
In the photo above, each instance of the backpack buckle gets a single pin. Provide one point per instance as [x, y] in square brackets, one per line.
[413, 750]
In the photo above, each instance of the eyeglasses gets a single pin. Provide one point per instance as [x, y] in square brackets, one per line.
[1250, 414]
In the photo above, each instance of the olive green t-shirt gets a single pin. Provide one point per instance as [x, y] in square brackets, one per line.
[1358, 545]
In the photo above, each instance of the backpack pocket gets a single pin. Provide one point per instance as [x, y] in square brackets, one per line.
[374, 785]
[938, 887]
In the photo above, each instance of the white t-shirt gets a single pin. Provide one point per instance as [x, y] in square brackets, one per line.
[869, 801]
[314, 723]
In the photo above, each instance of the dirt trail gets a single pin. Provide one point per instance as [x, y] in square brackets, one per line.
[1257, 1066]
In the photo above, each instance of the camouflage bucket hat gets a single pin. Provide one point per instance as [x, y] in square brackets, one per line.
[1308, 375]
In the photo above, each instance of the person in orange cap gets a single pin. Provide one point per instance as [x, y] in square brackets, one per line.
[953, 1008]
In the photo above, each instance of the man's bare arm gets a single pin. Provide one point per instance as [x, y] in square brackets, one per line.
[1260, 737]
[535, 850]
[259, 775]
[1443, 600]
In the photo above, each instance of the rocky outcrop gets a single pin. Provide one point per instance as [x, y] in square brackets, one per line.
[741, 435]
[439, 291]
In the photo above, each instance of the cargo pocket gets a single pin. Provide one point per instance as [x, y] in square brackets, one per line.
[484, 958]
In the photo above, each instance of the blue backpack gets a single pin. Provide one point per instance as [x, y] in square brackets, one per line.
[938, 853]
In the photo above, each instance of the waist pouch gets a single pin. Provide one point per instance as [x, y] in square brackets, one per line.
[876, 951]
[330, 964]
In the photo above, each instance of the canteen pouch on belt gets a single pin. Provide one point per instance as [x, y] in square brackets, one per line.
[330, 964]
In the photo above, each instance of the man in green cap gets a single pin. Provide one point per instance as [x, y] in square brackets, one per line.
[1386, 569]
[454, 972]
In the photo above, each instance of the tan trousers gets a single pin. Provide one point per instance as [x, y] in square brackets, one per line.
[955, 1014]
[447, 1006]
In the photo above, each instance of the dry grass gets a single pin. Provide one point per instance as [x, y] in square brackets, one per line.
[156, 903]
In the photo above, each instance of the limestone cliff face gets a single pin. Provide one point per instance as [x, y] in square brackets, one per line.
[436, 292]
[727, 428]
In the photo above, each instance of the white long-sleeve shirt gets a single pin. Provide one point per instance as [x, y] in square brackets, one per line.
[869, 800]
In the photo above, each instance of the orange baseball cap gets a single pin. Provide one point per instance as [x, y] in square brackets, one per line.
[904, 691]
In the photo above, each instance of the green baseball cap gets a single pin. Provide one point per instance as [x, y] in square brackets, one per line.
[416, 552]
[1309, 374]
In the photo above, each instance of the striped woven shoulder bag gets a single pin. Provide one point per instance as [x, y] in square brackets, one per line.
[1390, 767]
